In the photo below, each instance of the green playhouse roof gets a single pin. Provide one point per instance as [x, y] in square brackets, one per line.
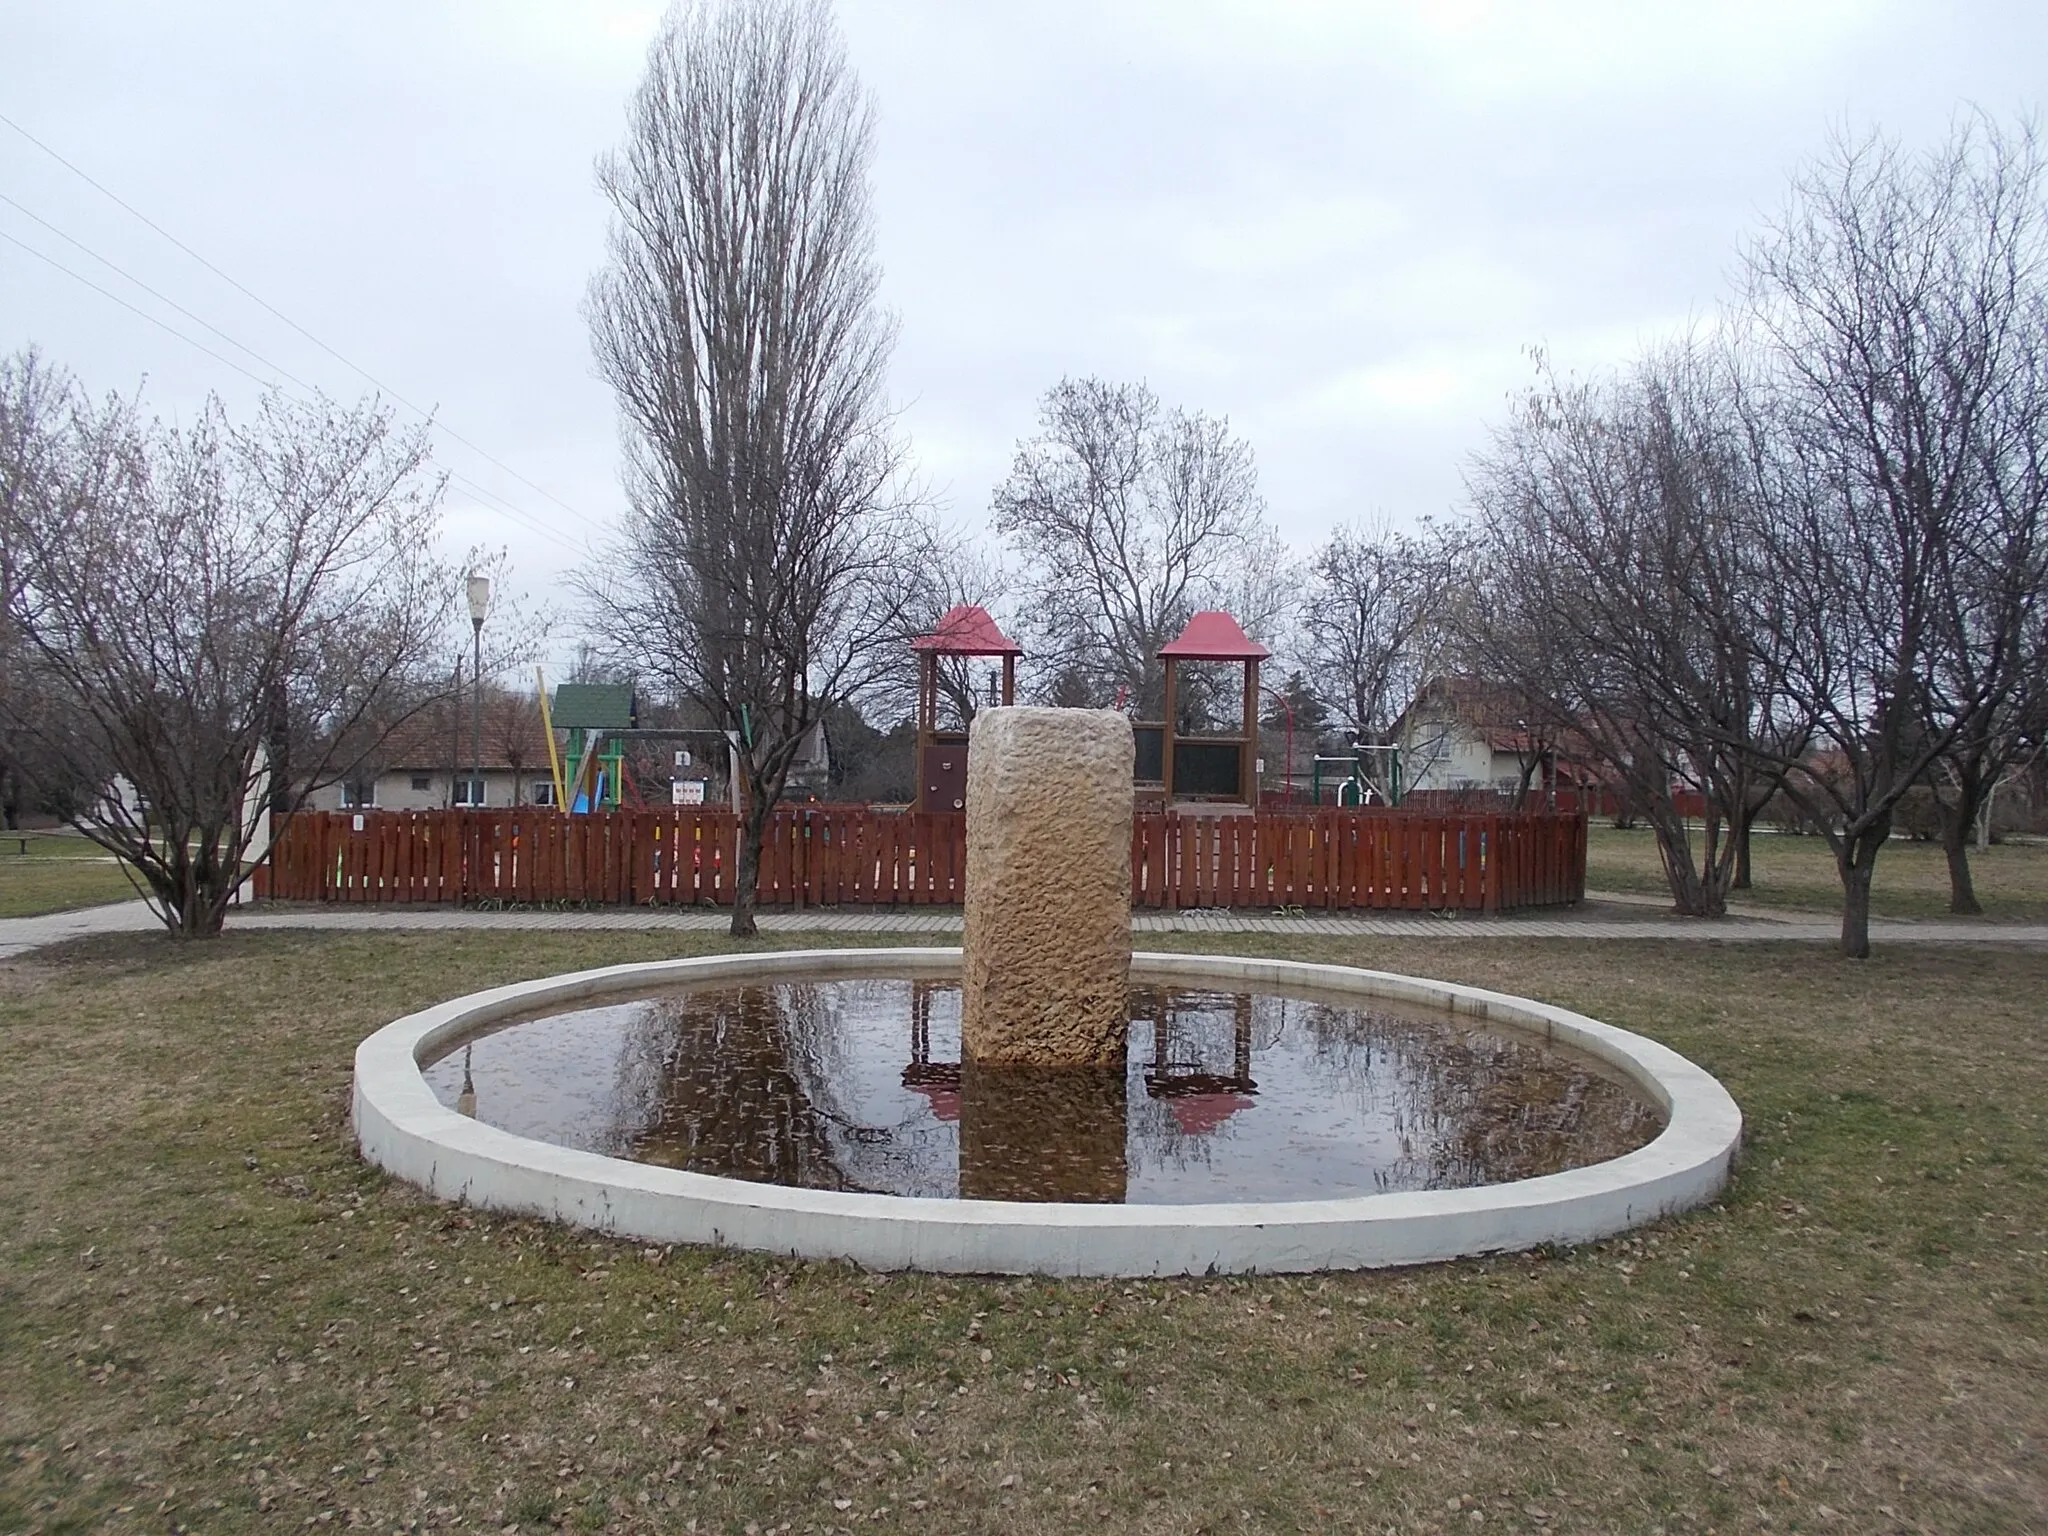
[592, 707]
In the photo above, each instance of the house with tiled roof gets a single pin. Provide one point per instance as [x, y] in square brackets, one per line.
[1463, 734]
[428, 761]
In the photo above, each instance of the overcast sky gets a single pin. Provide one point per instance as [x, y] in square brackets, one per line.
[1340, 224]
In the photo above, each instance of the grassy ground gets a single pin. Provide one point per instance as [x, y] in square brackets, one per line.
[60, 871]
[213, 1317]
[1799, 872]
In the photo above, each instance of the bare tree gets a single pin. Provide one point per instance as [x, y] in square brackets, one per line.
[1897, 451]
[434, 715]
[1376, 621]
[512, 728]
[36, 406]
[953, 571]
[1129, 518]
[1612, 564]
[2001, 732]
[761, 571]
[184, 599]
[1991, 681]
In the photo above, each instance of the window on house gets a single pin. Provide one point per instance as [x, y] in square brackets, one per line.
[358, 794]
[543, 792]
[470, 792]
[423, 781]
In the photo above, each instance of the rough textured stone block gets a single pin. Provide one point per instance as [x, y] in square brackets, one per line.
[1048, 932]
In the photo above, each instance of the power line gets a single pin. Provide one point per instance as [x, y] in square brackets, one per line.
[145, 314]
[160, 297]
[489, 498]
[497, 503]
[254, 298]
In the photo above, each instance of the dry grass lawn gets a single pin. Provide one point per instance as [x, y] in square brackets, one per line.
[1799, 872]
[214, 1318]
[59, 872]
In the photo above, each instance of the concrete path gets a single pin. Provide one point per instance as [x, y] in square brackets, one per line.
[18, 935]
[1604, 918]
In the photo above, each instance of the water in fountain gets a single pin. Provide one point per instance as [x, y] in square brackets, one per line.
[1220, 1096]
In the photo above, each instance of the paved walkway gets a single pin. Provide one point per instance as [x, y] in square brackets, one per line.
[1602, 917]
[18, 935]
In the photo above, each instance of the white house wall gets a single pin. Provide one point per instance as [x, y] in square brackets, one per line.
[1435, 755]
[395, 791]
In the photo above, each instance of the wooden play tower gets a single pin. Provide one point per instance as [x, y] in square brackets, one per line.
[966, 630]
[1218, 768]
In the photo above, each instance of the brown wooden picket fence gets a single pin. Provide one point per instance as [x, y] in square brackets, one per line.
[1324, 860]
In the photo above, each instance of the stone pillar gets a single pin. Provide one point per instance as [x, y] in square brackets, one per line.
[1047, 951]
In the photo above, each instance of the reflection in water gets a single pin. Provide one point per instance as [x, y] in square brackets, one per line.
[754, 1118]
[1043, 1133]
[938, 1081]
[1226, 1096]
[1200, 1100]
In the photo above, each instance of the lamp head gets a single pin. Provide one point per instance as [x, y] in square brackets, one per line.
[479, 598]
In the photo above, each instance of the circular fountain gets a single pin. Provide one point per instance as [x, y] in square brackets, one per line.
[1043, 1100]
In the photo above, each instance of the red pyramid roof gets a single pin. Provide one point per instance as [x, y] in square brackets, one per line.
[1197, 1114]
[967, 630]
[1213, 635]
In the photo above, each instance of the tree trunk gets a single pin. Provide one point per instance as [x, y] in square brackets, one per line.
[746, 876]
[1958, 820]
[1856, 912]
[188, 910]
[1714, 863]
[1740, 832]
[1690, 895]
[1856, 861]
[1962, 890]
[202, 919]
[206, 897]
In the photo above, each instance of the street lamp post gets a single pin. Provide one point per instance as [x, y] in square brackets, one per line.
[479, 605]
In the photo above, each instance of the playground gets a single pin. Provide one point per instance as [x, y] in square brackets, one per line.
[1205, 834]
[1199, 741]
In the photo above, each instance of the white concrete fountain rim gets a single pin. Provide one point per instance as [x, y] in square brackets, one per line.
[403, 1128]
